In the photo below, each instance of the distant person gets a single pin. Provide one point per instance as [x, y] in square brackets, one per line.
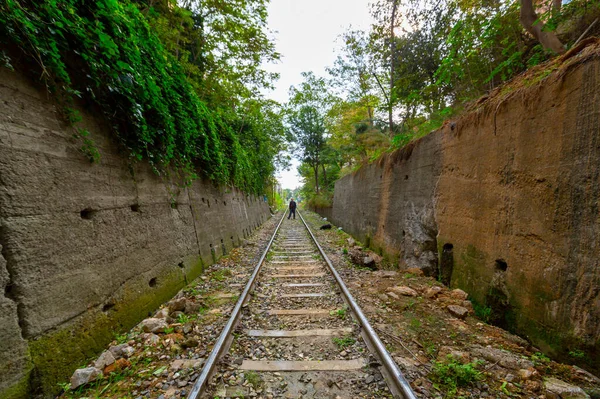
[292, 208]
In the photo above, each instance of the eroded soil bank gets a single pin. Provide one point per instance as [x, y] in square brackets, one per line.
[442, 354]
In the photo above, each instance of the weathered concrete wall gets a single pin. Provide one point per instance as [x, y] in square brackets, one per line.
[90, 249]
[511, 194]
[389, 204]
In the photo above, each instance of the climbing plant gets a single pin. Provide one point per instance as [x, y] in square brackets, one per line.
[106, 54]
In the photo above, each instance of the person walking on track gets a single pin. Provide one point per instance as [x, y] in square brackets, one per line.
[292, 208]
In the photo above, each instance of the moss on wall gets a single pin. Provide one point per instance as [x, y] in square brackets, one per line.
[57, 354]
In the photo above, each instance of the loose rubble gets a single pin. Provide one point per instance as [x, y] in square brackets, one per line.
[431, 329]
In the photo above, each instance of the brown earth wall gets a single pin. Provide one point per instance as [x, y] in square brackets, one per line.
[503, 203]
[89, 249]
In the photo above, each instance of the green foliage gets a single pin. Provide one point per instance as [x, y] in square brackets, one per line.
[577, 354]
[482, 311]
[121, 338]
[343, 342]
[221, 274]
[341, 313]
[126, 64]
[253, 378]
[539, 359]
[450, 374]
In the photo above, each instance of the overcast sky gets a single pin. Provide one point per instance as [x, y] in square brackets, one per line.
[305, 34]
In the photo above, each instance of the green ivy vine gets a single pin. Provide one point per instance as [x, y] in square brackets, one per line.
[105, 53]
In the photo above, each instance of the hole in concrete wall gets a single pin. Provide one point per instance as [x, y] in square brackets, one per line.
[405, 177]
[181, 265]
[9, 292]
[403, 233]
[221, 241]
[135, 208]
[108, 306]
[87, 214]
[203, 200]
[152, 282]
[210, 245]
[225, 203]
[501, 265]
[208, 203]
[447, 264]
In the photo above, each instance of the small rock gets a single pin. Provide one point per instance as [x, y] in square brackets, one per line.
[104, 360]
[190, 343]
[433, 292]
[585, 375]
[385, 273]
[509, 378]
[351, 242]
[467, 304]
[119, 364]
[383, 297]
[152, 339]
[83, 376]
[177, 305]
[153, 325]
[368, 261]
[117, 350]
[415, 271]
[343, 353]
[128, 351]
[191, 307]
[406, 291]
[458, 311]
[162, 314]
[393, 295]
[181, 384]
[563, 389]
[458, 294]
[181, 364]
[533, 385]
[504, 358]
[525, 374]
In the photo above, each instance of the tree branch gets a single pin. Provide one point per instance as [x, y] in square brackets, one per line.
[533, 25]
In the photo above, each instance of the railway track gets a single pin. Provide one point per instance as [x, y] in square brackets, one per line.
[296, 331]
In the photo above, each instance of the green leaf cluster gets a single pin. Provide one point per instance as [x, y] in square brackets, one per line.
[147, 80]
[450, 374]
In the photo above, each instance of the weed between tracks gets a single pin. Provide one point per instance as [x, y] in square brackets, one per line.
[343, 342]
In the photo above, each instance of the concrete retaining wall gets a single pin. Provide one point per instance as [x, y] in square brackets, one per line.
[503, 203]
[90, 249]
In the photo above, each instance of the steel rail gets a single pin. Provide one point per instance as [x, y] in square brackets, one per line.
[396, 381]
[222, 344]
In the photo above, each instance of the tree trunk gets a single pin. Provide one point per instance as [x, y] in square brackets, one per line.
[547, 39]
[316, 169]
[324, 175]
[392, 53]
[556, 5]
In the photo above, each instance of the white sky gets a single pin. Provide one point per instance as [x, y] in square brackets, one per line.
[305, 34]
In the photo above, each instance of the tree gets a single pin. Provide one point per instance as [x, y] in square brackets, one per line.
[308, 128]
[533, 25]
